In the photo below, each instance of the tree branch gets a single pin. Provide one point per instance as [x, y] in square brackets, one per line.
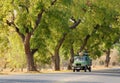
[64, 35]
[24, 7]
[53, 2]
[87, 37]
[96, 28]
[73, 19]
[16, 29]
[85, 42]
[39, 17]
[60, 42]
[76, 23]
[33, 51]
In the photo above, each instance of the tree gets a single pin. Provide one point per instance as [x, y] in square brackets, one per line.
[26, 18]
[59, 44]
[100, 18]
[111, 29]
[30, 21]
[98, 27]
[44, 27]
[62, 30]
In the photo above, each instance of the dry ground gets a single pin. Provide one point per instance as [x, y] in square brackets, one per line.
[5, 72]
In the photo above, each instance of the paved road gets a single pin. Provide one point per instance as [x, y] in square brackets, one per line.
[104, 76]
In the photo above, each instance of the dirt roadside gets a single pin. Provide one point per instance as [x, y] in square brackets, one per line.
[52, 71]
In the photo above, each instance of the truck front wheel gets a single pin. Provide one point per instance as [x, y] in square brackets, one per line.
[85, 68]
[73, 70]
[89, 69]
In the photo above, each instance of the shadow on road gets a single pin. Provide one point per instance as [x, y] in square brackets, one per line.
[68, 77]
[106, 72]
[80, 82]
[39, 81]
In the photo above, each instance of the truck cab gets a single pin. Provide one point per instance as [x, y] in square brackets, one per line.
[82, 63]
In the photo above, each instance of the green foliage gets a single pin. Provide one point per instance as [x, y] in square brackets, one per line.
[93, 13]
[11, 50]
[66, 2]
[54, 23]
[42, 59]
[4, 44]
[16, 56]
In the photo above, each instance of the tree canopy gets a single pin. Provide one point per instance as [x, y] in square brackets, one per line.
[45, 30]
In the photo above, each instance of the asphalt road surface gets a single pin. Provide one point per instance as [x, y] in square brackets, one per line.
[103, 76]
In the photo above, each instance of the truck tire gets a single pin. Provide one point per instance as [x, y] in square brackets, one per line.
[85, 69]
[73, 70]
[89, 69]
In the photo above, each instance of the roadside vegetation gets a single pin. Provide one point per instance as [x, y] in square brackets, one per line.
[46, 34]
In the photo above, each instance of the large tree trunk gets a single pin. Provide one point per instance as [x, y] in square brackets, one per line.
[107, 61]
[59, 44]
[29, 54]
[71, 58]
[56, 53]
[57, 61]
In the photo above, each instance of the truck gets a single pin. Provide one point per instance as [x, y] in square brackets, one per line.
[82, 63]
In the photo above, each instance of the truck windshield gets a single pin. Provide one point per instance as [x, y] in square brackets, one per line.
[80, 58]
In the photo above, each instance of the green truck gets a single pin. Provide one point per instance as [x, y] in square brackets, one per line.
[82, 63]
